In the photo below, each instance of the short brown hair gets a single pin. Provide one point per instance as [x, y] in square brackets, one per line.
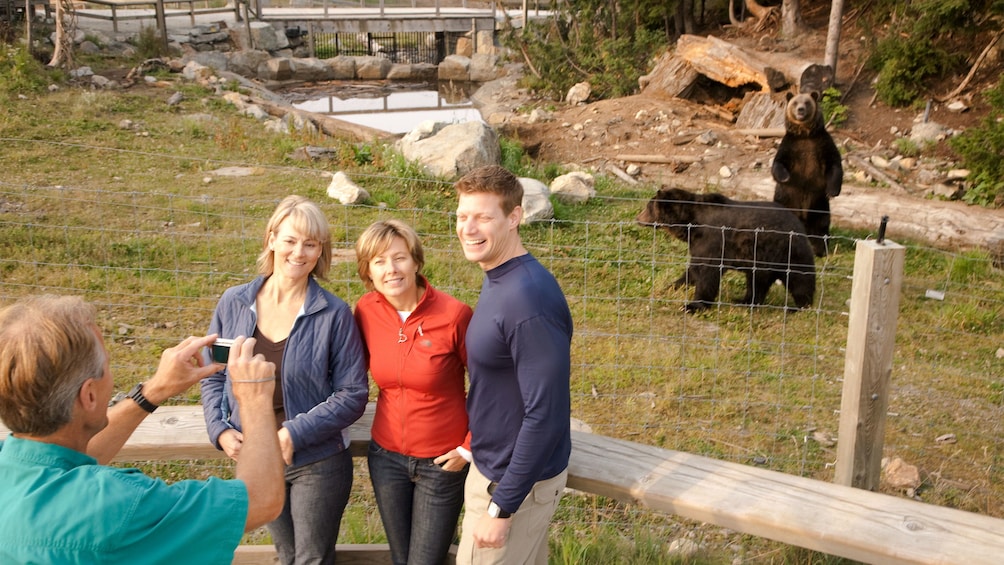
[378, 237]
[307, 219]
[493, 179]
[48, 347]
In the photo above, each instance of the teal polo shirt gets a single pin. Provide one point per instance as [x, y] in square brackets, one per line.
[59, 506]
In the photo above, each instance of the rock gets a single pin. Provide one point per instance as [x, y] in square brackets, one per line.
[372, 68]
[579, 93]
[576, 187]
[482, 67]
[928, 133]
[957, 175]
[465, 47]
[266, 37]
[879, 162]
[683, 548]
[345, 191]
[452, 150]
[81, 72]
[957, 106]
[311, 69]
[536, 201]
[276, 68]
[342, 67]
[900, 475]
[455, 68]
[175, 99]
[539, 115]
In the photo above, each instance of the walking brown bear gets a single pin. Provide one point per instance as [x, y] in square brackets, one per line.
[807, 168]
[762, 240]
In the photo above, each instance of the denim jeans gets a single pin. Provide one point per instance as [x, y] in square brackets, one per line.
[316, 495]
[419, 505]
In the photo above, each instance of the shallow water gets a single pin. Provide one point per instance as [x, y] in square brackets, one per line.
[392, 107]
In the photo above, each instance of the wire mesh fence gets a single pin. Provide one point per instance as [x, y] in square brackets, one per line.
[758, 385]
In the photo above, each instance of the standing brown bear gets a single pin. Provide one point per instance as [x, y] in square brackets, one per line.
[760, 239]
[807, 168]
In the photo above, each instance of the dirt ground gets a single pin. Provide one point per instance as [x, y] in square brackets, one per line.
[704, 151]
[598, 134]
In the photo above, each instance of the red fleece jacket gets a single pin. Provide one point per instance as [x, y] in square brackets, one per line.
[419, 366]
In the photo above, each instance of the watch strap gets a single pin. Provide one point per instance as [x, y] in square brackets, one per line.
[495, 511]
[137, 395]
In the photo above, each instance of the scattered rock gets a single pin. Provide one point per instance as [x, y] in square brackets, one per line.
[345, 191]
[900, 475]
[578, 94]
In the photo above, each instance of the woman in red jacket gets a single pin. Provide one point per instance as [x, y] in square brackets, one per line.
[414, 338]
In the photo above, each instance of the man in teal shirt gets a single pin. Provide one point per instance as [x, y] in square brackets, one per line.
[60, 504]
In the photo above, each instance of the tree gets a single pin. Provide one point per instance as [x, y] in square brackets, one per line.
[791, 18]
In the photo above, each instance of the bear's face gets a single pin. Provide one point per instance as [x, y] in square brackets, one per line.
[671, 209]
[802, 115]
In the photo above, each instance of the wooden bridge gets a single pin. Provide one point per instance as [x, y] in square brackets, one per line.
[364, 16]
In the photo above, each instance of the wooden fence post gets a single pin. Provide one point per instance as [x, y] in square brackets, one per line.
[871, 336]
[162, 23]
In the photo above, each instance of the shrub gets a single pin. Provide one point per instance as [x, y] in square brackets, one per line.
[982, 149]
[834, 112]
[20, 73]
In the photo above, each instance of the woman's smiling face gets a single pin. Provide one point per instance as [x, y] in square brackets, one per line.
[295, 254]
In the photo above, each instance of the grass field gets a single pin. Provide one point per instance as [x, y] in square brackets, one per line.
[132, 216]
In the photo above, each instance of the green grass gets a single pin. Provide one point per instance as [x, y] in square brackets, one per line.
[126, 218]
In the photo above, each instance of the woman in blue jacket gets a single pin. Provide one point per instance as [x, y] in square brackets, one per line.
[311, 336]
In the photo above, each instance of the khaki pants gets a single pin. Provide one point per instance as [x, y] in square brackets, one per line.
[527, 542]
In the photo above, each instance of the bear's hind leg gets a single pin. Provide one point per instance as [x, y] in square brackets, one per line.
[706, 281]
[758, 285]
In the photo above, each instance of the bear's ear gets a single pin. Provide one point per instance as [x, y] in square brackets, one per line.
[815, 95]
[789, 96]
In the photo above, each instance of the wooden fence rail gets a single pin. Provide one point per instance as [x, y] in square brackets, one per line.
[834, 519]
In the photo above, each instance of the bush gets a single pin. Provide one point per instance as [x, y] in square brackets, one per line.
[917, 46]
[20, 73]
[982, 149]
[834, 112]
[566, 51]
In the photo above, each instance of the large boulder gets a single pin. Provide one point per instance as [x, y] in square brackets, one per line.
[310, 69]
[342, 67]
[575, 187]
[451, 151]
[266, 37]
[456, 68]
[536, 201]
[372, 67]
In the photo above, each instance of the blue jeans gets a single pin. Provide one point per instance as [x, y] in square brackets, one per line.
[316, 495]
[419, 505]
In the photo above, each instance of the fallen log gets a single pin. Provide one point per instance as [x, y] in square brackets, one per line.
[658, 158]
[330, 126]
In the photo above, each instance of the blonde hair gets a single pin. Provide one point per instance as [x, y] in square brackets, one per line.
[378, 237]
[49, 347]
[493, 179]
[307, 219]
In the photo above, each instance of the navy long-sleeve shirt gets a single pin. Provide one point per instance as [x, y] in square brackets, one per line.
[519, 365]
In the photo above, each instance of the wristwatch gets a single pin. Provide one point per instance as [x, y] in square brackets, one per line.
[495, 511]
[137, 394]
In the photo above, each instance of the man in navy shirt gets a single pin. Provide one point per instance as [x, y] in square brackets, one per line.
[519, 362]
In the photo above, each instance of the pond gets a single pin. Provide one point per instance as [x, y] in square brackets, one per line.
[392, 107]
